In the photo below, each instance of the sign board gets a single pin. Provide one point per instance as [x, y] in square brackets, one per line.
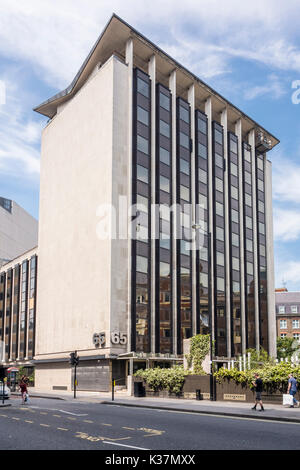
[234, 396]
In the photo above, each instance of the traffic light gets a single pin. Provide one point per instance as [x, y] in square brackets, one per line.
[74, 359]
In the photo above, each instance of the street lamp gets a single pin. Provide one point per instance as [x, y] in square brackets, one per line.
[209, 244]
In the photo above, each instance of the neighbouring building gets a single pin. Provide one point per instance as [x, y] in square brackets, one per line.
[124, 286]
[18, 230]
[287, 313]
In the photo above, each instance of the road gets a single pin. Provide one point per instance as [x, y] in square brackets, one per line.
[69, 425]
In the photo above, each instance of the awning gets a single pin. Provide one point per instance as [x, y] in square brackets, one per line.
[12, 369]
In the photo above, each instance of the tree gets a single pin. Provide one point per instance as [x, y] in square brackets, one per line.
[286, 347]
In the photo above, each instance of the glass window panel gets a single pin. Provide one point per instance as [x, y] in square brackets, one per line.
[218, 137]
[164, 269]
[184, 140]
[261, 206]
[260, 164]
[219, 209]
[219, 185]
[142, 173]
[202, 126]
[248, 200]
[143, 87]
[235, 264]
[143, 116]
[247, 155]
[142, 144]
[249, 245]
[164, 128]
[262, 250]
[236, 287]
[219, 161]
[261, 228]
[165, 243]
[235, 239]
[220, 258]
[234, 216]
[234, 193]
[164, 101]
[202, 201]
[203, 254]
[220, 284]
[184, 166]
[184, 114]
[142, 264]
[203, 280]
[250, 269]
[202, 150]
[248, 222]
[233, 146]
[164, 184]
[233, 169]
[184, 193]
[164, 155]
[248, 178]
[142, 201]
[202, 176]
[260, 185]
[220, 234]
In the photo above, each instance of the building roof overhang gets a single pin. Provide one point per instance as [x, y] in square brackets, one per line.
[113, 41]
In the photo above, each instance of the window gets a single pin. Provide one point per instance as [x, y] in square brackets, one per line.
[296, 324]
[220, 259]
[234, 216]
[283, 324]
[142, 264]
[247, 155]
[184, 114]
[219, 209]
[250, 269]
[143, 87]
[142, 203]
[202, 151]
[202, 126]
[203, 280]
[235, 239]
[164, 101]
[202, 176]
[262, 251]
[203, 253]
[218, 137]
[164, 269]
[260, 164]
[294, 309]
[233, 146]
[202, 201]
[220, 284]
[236, 287]
[184, 140]
[235, 264]
[248, 178]
[234, 193]
[261, 228]
[184, 167]
[184, 193]
[261, 206]
[164, 184]
[248, 222]
[219, 234]
[142, 144]
[219, 161]
[249, 245]
[164, 128]
[142, 173]
[233, 169]
[297, 336]
[283, 335]
[219, 185]
[142, 116]
[164, 156]
[248, 200]
[260, 185]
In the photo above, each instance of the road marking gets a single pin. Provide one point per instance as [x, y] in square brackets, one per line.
[43, 413]
[72, 419]
[123, 445]
[4, 416]
[45, 425]
[16, 419]
[69, 413]
[104, 424]
[63, 429]
[57, 416]
[87, 421]
[125, 427]
[27, 421]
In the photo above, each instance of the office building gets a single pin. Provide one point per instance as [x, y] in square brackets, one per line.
[123, 280]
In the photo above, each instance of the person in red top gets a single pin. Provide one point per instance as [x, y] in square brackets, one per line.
[23, 389]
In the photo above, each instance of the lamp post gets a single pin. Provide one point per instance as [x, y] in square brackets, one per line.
[209, 238]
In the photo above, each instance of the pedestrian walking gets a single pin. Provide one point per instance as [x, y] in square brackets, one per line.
[23, 389]
[258, 384]
[292, 389]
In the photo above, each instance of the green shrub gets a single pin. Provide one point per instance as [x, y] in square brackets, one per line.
[164, 379]
[274, 377]
[200, 346]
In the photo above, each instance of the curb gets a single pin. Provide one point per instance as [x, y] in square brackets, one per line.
[205, 412]
[5, 406]
[40, 396]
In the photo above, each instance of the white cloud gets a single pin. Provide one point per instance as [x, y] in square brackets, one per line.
[273, 86]
[289, 272]
[286, 224]
[286, 177]
[56, 36]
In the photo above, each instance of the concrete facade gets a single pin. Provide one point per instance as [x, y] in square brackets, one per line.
[18, 232]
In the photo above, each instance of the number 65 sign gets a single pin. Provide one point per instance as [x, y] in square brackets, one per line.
[116, 337]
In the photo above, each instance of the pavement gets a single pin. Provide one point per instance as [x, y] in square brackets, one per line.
[273, 412]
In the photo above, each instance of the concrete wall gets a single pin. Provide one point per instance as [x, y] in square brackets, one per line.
[83, 165]
[18, 232]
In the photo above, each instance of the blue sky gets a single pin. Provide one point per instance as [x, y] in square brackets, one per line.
[248, 51]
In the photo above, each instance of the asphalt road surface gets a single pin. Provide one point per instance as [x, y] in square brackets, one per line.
[47, 424]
